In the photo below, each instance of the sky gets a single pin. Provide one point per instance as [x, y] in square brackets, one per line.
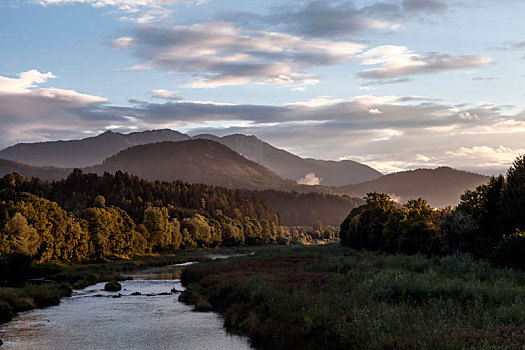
[394, 84]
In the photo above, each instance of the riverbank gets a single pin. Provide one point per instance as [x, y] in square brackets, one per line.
[333, 297]
[39, 286]
[142, 315]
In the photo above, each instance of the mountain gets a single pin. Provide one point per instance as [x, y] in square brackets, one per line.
[195, 161]
[290, 166]
[93, 150]
[29, 171]
[85, 152]
[441, 187]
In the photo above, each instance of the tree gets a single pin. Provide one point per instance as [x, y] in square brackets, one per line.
[485, 206]
[513, 198]
[111, 232]
[156, 221]
[511, 250]
[18, 237]
[363, 228]
[100, 201]
[458, 230]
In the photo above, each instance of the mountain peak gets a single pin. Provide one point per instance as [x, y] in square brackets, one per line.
[195, 160]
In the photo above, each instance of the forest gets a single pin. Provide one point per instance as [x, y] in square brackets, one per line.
[489, 223]
[87, 217]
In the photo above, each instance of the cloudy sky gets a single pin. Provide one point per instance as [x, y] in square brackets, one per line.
[395, 84]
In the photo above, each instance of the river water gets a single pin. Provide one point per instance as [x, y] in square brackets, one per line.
[94, 319]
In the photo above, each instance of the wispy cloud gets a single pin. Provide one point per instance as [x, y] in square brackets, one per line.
[219, 53]
[139, 11]
[333, 19]
[393, 61]
[165, 94]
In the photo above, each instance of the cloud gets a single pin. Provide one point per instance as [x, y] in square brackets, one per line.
[423, 158]
[219, 54]
[512, 45]
[386, 82]
[124, 41]
[486, 156]
[139, 11]
[412, 132]
[484, 78]
[27, 112]
[24, 82]
[165, 94]
[398, 61]
[309, 179]
[374, 111]
[336, 19]
[468, 116]
[426, 6]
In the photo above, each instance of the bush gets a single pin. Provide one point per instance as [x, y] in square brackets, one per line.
[112, 286]
[511, 250]
[6, 311]
[44, 295]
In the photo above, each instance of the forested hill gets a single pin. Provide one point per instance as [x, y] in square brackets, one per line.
[90, 217]
[85, 152]
[290, 166]
[441, 187]
[302, 209]
[133, 194]
[44, 173]
[196, 161]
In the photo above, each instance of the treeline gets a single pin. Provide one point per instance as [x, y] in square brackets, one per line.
[489, 222]
[89, 217]
[300, 209]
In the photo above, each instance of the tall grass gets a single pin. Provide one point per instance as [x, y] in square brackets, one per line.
[335, 298]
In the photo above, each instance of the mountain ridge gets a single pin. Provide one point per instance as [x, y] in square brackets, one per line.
[290, 166]
[195, 161]
[440, 186]
[94, 150]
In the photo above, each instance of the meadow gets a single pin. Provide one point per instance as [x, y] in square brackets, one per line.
[332, 297]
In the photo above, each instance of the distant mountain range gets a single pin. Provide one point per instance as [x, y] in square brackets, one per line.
[94, 150]
[290, 166]
[441, 187]
[235, 161]
[85, 152]
[29, 171]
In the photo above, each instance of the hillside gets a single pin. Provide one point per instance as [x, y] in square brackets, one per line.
[290, 166]
[195, 161]
[85, 152]
[441, 187]
[29, 171]
[302, 209]
[93, 150]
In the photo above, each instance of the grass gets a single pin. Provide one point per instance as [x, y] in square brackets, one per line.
[332, 297]
[13, 300]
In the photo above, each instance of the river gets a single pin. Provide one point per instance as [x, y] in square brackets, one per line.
[94, 319]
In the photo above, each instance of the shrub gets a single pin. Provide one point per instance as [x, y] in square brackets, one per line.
[6, 311]
[511, 250]
[112, 286]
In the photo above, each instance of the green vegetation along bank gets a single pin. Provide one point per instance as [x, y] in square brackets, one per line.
[332, 297]
[489, 223]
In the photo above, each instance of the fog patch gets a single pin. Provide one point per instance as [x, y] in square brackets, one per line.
[309, 179]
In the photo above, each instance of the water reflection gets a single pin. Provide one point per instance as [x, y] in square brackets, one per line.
[95, 319]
